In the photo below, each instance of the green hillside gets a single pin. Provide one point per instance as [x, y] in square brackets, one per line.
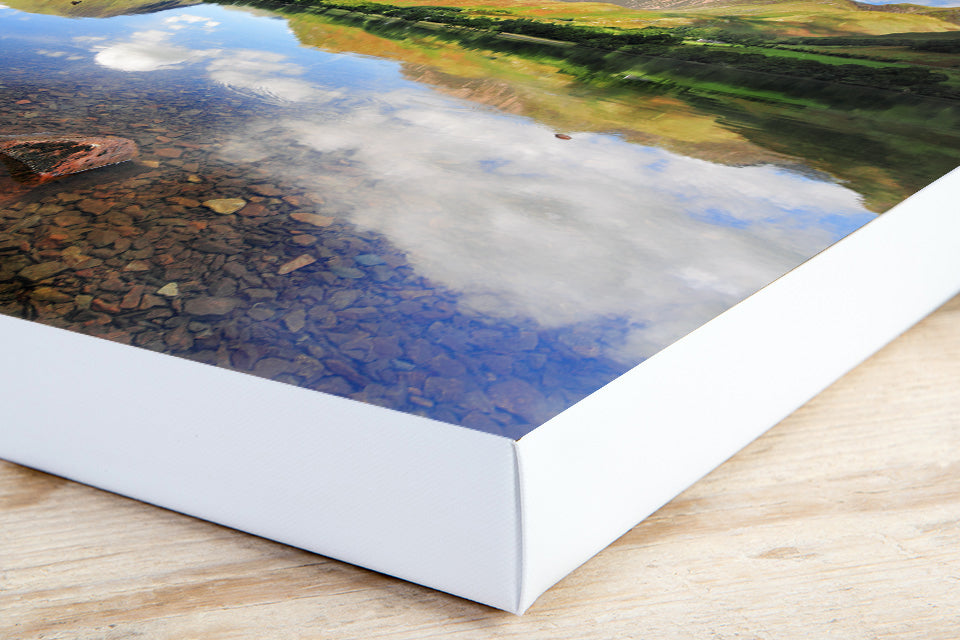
[815, 17]
[885, 127]
[847, 15]
[96, 8]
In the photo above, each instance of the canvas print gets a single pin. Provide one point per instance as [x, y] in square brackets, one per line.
[476, 212]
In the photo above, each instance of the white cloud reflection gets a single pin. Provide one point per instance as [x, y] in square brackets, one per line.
[519, 222]
[146, 51]
[261, 73]
[568, 231]
[252, 72]
[183, 20]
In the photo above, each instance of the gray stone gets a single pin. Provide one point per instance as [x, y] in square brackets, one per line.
[295, 320]
[170, 290]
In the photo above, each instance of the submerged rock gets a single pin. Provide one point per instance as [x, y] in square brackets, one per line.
[211, 306]
[51, 156]
[225, 205]
[42, 271]
[297, 263]
[170, 290]
[312, 218]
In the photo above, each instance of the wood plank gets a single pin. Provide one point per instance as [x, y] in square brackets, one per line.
[842, 522]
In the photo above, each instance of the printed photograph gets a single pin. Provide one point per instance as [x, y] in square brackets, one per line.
[475, 211]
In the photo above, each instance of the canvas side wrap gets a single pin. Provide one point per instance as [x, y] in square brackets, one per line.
[594, 471]
[424, 501]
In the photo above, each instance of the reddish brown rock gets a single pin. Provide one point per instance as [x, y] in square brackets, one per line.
[42, 271]
[169, 152]
[179, 339]
[74, 258]
[265, 189]
[183, 202]
[49, 157]
[312, 218]
[53, 240]
[297, 263]
[133, 297]
[104, 306]
[68, 219]
[117, 335]
[49, 294]
[297, 201]
[254, 210]
[211, 306]
[98, 320]
[112, 282]
[149, 301]
[304, 240]
[96, 207]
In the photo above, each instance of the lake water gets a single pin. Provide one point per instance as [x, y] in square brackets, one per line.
[405, 237]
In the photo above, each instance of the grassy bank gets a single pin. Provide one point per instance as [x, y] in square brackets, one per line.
[766, 63]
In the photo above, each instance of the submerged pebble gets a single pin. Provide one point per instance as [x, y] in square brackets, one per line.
[225, 205]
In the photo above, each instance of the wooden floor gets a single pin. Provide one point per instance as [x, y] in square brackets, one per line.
[842, 522]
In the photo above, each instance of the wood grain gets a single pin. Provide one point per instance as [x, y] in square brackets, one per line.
[841, 522]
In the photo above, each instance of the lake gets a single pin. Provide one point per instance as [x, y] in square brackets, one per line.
[465, 234]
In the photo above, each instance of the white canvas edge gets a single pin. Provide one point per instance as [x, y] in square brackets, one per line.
[593, 472]
[436, 504]
[428, 502]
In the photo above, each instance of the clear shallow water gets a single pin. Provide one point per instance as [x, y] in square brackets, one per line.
[398, 245]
